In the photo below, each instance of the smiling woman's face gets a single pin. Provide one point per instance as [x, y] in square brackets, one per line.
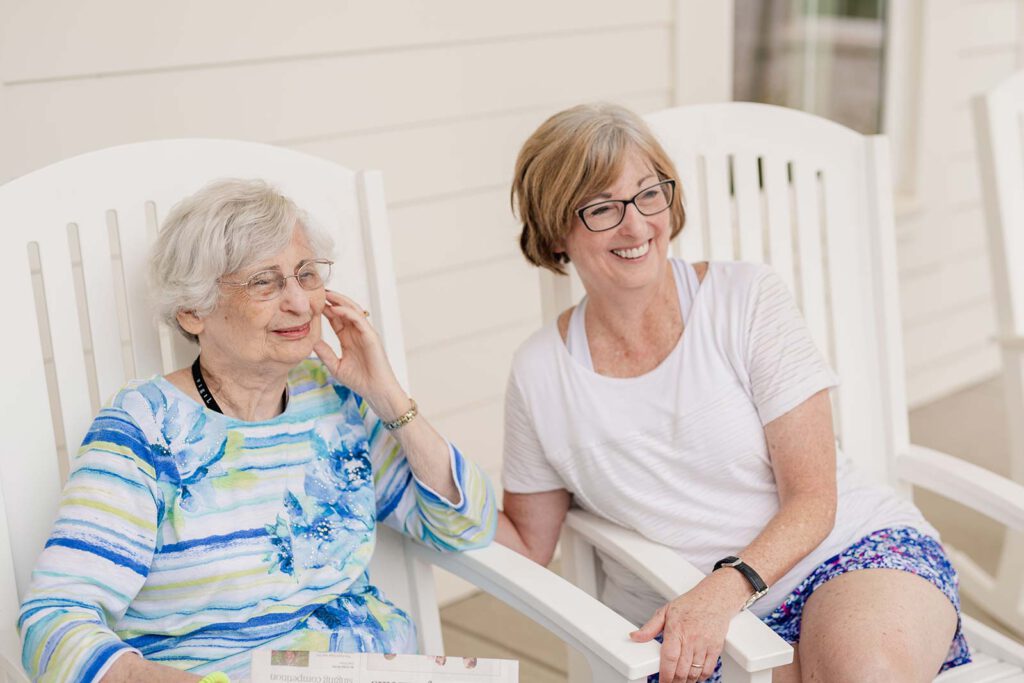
[282, 331]
[631, 255]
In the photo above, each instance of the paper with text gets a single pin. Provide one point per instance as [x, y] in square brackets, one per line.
[299, 666]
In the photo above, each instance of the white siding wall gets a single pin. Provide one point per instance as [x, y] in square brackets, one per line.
[951, 50]
[438, 95]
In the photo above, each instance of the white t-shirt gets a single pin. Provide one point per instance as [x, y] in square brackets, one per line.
[679, 454]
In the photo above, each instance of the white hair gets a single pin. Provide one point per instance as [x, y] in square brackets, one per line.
[226, 226]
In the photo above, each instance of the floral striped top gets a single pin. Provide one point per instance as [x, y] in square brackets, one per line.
[192, 537]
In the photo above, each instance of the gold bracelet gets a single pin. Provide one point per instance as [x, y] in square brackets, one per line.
[215, 677]
[403, 419]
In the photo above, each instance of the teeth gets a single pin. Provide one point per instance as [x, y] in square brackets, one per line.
[635, 252]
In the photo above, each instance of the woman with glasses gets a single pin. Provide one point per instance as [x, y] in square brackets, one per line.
[232, 504]
[687, 402]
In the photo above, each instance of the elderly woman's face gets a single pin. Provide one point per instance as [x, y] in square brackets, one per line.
[632, 254]
[280, 331]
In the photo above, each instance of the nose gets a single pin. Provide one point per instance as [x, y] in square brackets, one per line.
[632, 220]
[294, 298]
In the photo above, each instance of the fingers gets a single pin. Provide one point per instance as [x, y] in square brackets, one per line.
[694, 666]
[710, 663]
[670, 658]
[683, 669]
[335, 299]
[326, 354]
[651, 628]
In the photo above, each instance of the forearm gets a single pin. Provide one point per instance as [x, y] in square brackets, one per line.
[130, 668]
[425, 449]
[508, 535]
[800, 525]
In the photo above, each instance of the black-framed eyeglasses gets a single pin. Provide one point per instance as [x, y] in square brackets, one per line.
[606, 215]
[268, 284]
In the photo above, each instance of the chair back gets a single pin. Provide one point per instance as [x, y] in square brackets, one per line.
[999, 127]
[812, 198]
[74, 245]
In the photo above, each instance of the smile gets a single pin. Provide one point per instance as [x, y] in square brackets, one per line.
[633, 253]
[293, 332]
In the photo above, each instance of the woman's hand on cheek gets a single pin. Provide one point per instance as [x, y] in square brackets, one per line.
[362, 365]
[693, 628]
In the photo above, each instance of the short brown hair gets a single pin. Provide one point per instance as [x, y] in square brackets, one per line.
[574, 155]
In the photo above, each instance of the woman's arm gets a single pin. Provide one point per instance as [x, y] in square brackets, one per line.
[531, 522]
[98, 554]
[448, 501]
[131, 668]
[364, 367]
[801, 445]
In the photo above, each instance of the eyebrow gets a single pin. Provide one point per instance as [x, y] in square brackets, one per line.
[605, 195]
[262, 269]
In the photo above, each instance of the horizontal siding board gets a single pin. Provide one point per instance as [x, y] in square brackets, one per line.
[968, 367]
[478, 433]
[65, 38]
[449, 377]
[994, 23]
[464, 302]
[429, 159]
[962, 182]
[462, 229]
[288, 100]
[979, 72]
[942, 338]
[933, 293]
[927, 244]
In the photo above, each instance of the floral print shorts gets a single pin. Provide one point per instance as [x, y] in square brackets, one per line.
[903, 548]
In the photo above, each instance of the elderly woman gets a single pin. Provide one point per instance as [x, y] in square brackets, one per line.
[232, 505]
[688, 402]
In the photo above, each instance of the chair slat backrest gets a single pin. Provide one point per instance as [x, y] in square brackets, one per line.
[811, 198]
[999, 124]
[74, 244]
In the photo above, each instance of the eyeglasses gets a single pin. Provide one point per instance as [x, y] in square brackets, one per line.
[268, 284]
[608, 214]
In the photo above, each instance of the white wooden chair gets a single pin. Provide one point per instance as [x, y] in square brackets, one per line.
[998, 121]
[73, 242]
[813, 199]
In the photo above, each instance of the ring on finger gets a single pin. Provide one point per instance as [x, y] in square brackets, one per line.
[697, 666]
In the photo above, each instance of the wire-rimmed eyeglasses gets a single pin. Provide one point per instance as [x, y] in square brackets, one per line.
[607, 214]
[268, 284]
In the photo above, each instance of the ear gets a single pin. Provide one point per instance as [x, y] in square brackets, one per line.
[190, 322]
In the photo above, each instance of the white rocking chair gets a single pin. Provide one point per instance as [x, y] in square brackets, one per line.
[73, 242]
[998, 120]
[813, 199]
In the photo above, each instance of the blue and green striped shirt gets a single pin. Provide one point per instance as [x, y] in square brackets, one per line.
[192, 537]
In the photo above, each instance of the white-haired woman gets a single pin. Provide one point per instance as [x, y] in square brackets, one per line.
[232, 504]
[688, 402]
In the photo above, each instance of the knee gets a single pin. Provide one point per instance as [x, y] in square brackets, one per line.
[881, 667]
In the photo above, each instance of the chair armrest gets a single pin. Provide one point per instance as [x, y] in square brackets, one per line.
[749, 642]
[977, 488]
[567, 611]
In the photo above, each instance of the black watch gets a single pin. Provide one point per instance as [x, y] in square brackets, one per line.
[756, 582]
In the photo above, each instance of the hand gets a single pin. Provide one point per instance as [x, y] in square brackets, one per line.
[363, 365]
[694, 626]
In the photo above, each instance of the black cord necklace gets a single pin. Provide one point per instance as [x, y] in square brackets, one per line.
[204, 391]
[207, 395]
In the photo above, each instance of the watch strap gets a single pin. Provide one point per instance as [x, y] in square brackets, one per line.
[752, 577]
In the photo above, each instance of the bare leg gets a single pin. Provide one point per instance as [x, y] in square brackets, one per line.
[791, 672]
[875, 625]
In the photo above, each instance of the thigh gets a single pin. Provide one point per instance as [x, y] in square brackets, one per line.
[876, 624]
[789, 673]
